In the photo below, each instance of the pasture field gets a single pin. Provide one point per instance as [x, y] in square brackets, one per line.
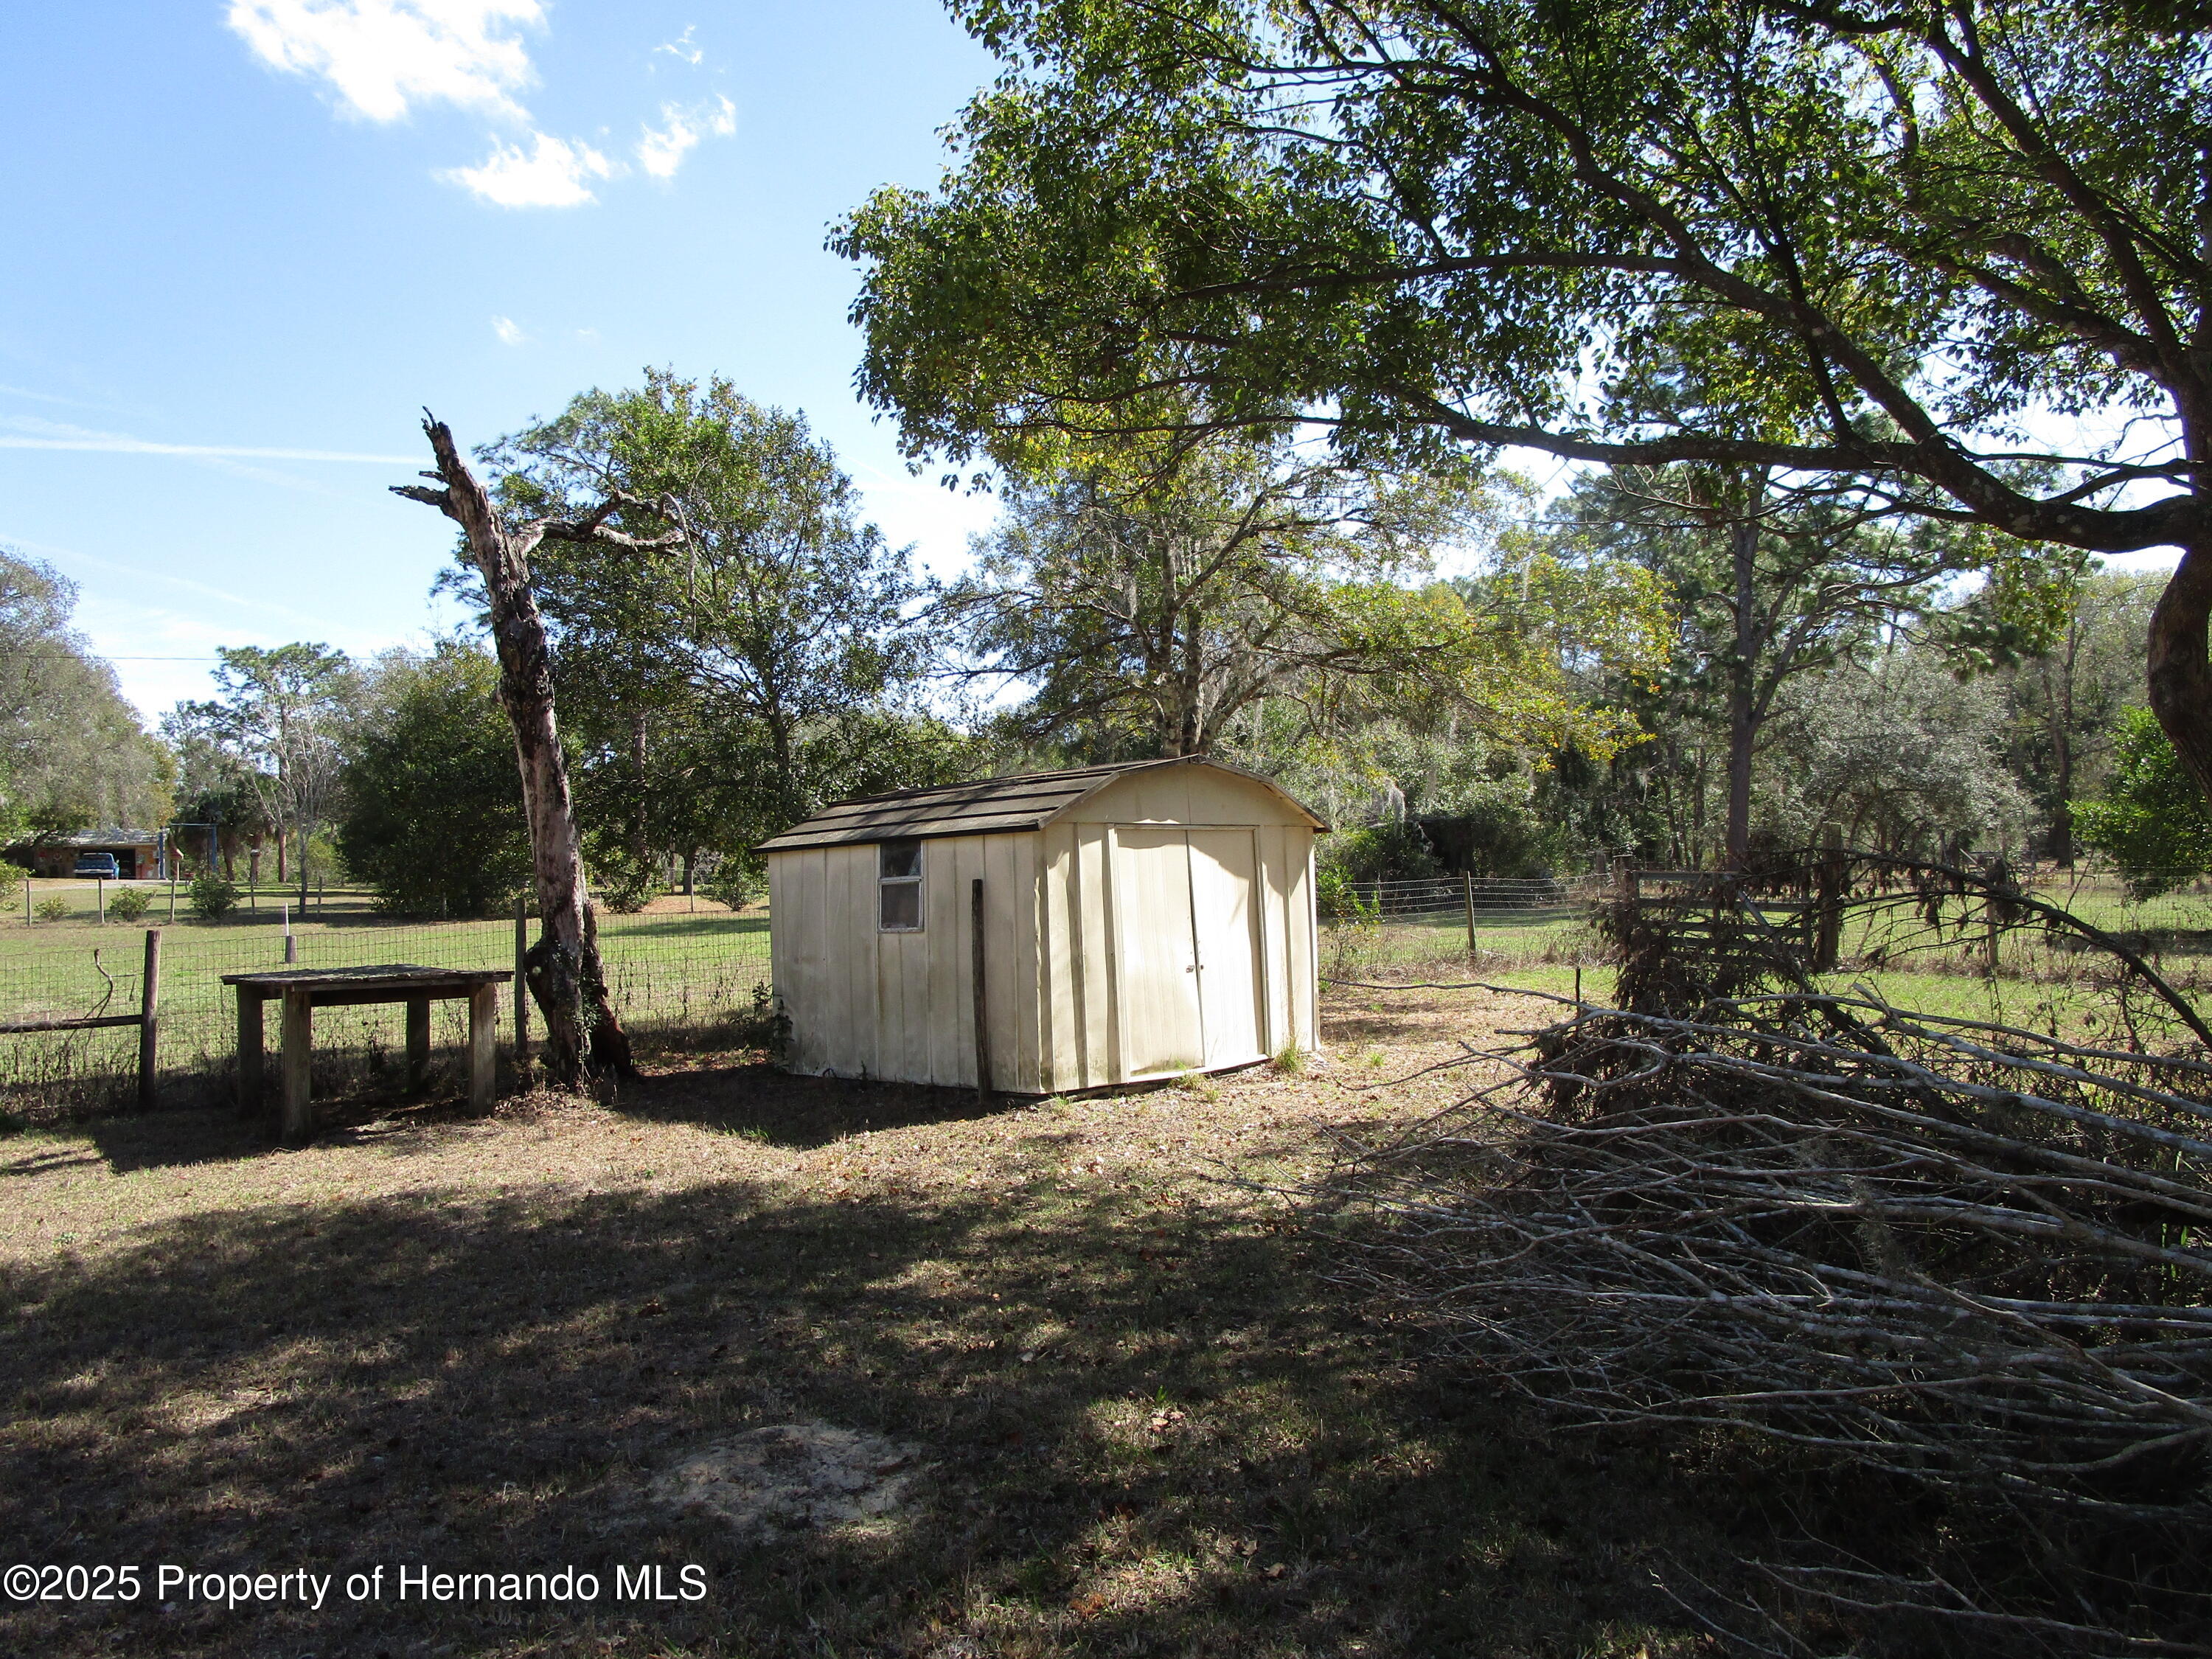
[676, 974]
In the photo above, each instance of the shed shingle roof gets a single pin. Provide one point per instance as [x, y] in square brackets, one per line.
[988, 806]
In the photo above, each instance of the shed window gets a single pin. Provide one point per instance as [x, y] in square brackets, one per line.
[898, 886]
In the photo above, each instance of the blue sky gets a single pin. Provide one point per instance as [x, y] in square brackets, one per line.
[277, 229]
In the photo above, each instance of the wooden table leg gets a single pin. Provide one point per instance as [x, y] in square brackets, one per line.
[249, 1050]
[418, 1043]
[299, 1058]
[484, 1031]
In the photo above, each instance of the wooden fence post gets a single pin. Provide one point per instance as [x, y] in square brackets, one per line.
[521, 992]
[149, 1020]
[1469, 878]
[983, 1029]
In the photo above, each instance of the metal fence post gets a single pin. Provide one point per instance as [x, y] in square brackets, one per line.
[1470, 879]
[149, 1019]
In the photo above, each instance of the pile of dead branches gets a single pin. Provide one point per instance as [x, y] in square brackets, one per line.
[1973, 1255]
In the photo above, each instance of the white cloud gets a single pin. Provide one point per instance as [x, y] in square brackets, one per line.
[509, 331]
[681, 47]
[661, 152]
[382, 56]
[550, 174]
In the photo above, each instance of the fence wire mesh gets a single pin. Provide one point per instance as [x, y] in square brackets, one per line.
[674, 978]
[1403, 926]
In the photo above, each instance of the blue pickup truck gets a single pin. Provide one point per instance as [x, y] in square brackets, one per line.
[98, 864]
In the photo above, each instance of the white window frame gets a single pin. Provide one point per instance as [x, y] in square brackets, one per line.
[915, 881]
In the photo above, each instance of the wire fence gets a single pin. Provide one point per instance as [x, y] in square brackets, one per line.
[680, 978]
[674, 978]
[1387, 926]
[1404, 927]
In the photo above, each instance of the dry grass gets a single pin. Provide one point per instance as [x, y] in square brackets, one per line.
[1145, 1426]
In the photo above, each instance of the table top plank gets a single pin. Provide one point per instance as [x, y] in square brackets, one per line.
[399, 977]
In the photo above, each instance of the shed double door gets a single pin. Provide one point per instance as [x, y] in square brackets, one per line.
[1188, 938]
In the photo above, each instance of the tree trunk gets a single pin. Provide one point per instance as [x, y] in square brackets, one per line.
[582, 1032]
[2180, 677]
[1743, 713]
[640, 828]
[2062, 814]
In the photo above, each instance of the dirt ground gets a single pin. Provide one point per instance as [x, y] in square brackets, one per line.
[859, 1369]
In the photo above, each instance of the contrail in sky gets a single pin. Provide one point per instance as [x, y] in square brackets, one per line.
[142, 446]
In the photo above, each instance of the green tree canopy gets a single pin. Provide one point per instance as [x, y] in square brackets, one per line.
[72, 751]
[1830, 239]
[2149, 821]
[276, 721]
[719, 690]
[433, 819]
[1148, 596]
[1766, 584]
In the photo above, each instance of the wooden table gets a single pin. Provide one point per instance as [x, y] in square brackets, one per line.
[305, 989]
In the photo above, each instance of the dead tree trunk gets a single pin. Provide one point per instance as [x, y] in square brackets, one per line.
[582, 1033]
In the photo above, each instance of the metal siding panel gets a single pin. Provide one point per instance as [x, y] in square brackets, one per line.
[867, 995]
[811, 1030]
[902, 1003]
[1091, 946]
[1031, 1011]
[1058, 1046]
[954, 975]
[1224, 903]
[945, 897]
[1002, 996]
[1275, 935]
[849, 964]
[1305, 941]
[1156, 958]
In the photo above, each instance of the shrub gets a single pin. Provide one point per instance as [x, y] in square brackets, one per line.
[1397, 851]
[625, 885]
[1336, 898]
[211, 897]
[51, 909]
[736, 882]
[2153, 821]
[129, 905]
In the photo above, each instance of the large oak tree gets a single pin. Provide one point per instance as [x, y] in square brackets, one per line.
[1857, 241]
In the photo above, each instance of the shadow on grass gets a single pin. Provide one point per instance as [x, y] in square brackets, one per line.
[743, 1094]
[1145, 1430]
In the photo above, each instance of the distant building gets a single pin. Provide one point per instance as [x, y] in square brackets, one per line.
[137, 852]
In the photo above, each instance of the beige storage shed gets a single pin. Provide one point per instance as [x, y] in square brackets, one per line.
[1138, 922]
